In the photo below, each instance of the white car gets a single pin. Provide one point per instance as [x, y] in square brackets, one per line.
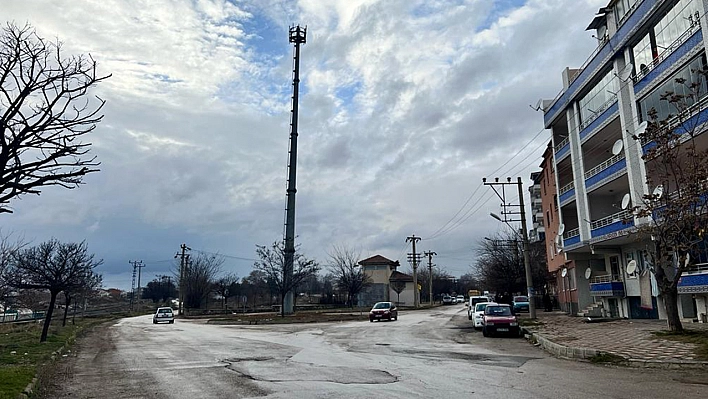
[460, 299]
[163, 315]
[476, 315]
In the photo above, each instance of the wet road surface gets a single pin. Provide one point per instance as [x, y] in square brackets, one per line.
[425, 354]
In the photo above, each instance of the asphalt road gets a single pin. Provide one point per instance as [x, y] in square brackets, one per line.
[425, 354]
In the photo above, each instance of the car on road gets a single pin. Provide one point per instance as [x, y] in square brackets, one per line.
[447, 300]
[498, 318]
[163, 315]
[383, 310]
[477, 312]
[521, 304]
[460, 299]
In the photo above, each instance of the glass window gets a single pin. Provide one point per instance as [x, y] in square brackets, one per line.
[622, 7]
[599, 98]
[643, 56]
[663, 108]
[677, 21]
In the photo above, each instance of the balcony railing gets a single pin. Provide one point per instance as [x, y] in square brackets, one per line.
[699, 268]
[608, 220]
[571, 233]
[599, 168]
[642, 72]
[562, 144]
[595, 114]
[566, 188]
[607, 278]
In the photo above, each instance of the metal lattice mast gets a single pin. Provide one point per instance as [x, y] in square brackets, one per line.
[297, 36]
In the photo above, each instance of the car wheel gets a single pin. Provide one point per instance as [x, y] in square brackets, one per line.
[396, 318]
[484, 332]
[469, 317]
[371, 320]
[172, 322]
[154, 322]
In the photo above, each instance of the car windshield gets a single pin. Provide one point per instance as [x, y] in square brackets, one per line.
[521, 299]
[480, 307]
[497, 311]
[382, 305]
[164, 311]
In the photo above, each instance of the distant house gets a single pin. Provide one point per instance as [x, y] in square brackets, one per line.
[382, 273]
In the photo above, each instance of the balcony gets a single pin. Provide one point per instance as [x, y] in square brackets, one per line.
[566, 192]
[610, 107]
[607, 285]
[694, 280]
[571, 237]
[611, 167]
[562, 148]
[612, 224]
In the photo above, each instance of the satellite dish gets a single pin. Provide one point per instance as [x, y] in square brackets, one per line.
[588, 273]
[626, 72]
[558, 244]
[617, 147]
[564, 272]
[631, 267]
[658, 191]
[625, 200]
[641, 128]
[561, 229]
[687, 260]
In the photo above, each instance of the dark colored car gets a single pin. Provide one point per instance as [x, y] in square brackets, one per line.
[383, 310]
[521, 304]
[498, 318]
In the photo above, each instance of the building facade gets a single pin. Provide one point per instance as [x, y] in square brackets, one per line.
[643, 46]
[384, 278]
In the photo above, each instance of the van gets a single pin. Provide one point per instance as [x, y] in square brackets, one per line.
[473, 301]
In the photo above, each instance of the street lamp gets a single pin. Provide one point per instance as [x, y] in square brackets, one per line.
[527, 261]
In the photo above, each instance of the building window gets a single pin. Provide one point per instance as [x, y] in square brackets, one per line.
[622, 8]
[600, 97]
[548, 219]
[663, 108]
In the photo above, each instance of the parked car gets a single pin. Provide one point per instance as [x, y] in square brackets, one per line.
[383, 310]
[460, 299]
[521, 304]
[447, 300]
[498, 318]
[163, 315]
[475, 313]
[473, 300]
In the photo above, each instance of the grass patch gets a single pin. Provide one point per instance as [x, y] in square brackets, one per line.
[607, 358]
[21, 353]
[696, 337]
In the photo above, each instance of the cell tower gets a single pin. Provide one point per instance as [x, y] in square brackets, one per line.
[297, 36]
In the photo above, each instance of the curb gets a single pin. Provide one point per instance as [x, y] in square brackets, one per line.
[586, 354]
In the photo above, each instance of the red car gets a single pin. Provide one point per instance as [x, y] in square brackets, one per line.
[498, 318]
[383, 310]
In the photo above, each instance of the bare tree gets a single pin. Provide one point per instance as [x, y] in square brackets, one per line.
[675, 215]
[500, 265]
[80, 288]
[349, 276]
[272, 263]
[200, 275]
[225, 287]
[398, 286]
[45, 111]
[8, 249]
[52, 266]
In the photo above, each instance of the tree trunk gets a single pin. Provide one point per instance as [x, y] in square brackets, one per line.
[673, 320]
[67, 301]
[48, 317]
[282, 305]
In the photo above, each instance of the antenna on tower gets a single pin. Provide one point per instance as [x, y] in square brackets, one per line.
[297, 35]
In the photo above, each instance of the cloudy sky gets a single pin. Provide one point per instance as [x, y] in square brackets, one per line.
[405, 106]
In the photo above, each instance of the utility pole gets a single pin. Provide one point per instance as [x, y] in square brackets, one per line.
[508, 216]
[415, 257]
[297, 36]
[137, 264]
[430, 254]
[132, 288]
[183, 256]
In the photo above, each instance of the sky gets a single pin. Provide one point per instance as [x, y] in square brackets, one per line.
[405, 105]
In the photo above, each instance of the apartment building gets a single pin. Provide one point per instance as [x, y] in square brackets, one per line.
[643, 46]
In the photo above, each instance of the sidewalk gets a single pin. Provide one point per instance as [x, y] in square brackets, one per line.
[571, 337]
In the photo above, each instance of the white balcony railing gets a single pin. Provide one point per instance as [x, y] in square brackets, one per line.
[599, 168]
[699, 268]
[607, 278]
[571, 233]
[566, 188]
[608, 220]
[562, 144]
